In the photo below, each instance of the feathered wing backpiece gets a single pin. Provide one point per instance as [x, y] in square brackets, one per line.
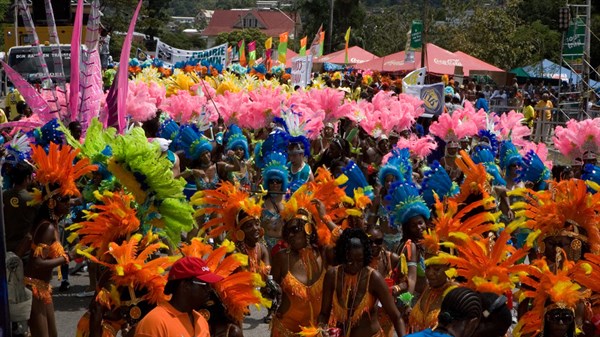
[140, 167]
[356, 180]
[548, 290]
[533, 170]
[58, 166]
[238, 289]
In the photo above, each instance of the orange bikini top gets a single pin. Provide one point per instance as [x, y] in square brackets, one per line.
[49, 251]
[340, 311]
[291, 285]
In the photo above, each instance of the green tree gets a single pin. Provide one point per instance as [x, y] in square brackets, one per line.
[384, 30]
[4, 7]
[248, 35]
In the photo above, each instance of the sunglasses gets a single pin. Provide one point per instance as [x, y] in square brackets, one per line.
[275, 181]
[377, 242]
[565, 317]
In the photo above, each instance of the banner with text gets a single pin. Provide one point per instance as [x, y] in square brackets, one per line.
[215, 55]
[301, 70]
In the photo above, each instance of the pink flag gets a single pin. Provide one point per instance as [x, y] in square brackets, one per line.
[117, 96]
[35, 101]
[75, 59]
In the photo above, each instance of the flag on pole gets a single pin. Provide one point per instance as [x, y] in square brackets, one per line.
[229, 55]
[282, 48]
[251, 53]
[268, 52]
[303, 42]
[347, 39]
[321, 44]
[314, 46]
[242, 47]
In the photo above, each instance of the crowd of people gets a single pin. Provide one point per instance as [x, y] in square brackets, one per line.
[338, 208]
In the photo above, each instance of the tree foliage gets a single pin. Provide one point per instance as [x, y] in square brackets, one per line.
[247, 35]
[384, 31]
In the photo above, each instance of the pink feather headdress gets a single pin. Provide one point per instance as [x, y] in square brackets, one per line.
[452, 128]
[387, 112]
[509, 127]
[420, 147]
[141, 105]
[578, 138]
[183, 107]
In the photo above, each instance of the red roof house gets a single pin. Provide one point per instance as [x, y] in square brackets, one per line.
[270, 22]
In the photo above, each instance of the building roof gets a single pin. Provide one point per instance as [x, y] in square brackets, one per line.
[270, 22]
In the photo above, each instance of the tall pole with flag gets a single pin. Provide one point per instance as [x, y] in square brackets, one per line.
[315, 45]
[282, 48]
[251, 53]
[242, 47]
[347, 39]
[268, 52]
[303, 42]
[321, 43]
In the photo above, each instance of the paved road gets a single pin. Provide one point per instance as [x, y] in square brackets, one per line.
[69, 308]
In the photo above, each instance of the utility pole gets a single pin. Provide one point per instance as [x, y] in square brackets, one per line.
[331, 27]
[424, 34]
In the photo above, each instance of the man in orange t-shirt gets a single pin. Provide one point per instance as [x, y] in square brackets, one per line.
[189, 284]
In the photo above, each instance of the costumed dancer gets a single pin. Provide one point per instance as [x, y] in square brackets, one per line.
[298, 149]
[576, 140]
[275, 182]
[236, 141]
[360, 194]
[352, 290]
[300, 269]
[57, 172]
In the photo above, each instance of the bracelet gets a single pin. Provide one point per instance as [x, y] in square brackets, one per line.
[326, 219]
[336, 233]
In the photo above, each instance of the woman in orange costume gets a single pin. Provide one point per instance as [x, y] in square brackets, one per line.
[300, 269]
[353, 289]
[56, 172]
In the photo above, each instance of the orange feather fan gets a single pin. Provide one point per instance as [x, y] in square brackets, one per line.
[58, 167]
[237, 290]
[224, 205]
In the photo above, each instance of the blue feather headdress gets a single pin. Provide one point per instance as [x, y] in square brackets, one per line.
[356, 180]
[49, 133]
[533, 170]
[509, 155]
[234, 137]
[489, 138]
[169, 130]
[483, 154]
[275, 167]
[192, 142]
[277, 141]
[437, 181]
[398, 165]
[591, 173]
[405, 202]
[292, 125]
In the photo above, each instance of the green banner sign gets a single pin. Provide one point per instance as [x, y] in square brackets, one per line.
[416, 35]
[574, 41]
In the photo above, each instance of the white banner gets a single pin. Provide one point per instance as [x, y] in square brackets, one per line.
[301, 70]
[171, 55]
[411, 82]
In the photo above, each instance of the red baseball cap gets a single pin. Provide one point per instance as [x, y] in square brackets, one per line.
[192, 267]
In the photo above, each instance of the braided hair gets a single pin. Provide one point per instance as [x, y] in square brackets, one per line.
[350, 239]
[460, 304]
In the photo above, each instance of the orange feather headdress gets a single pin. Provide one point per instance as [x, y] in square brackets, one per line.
[476, 179]
[226, 203]
[134, 269]
[57, 167]
[237, 290]
[561, 288]
[113, 220]
[566, 209]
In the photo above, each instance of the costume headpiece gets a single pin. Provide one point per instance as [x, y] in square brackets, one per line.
[398, 164]
[509, 155]
[405, 202]
[234, 137]
[437, 181]
[533, 170]
[17, 149]
[559, 288]
[192, 141]
[169, 129]
[238, 289]
[141, 168]
[49, 133]
[277, 141]
[484, 154]
[476, 179]
[356, 180]
[295, 128]
[419, 147]
[577, 138]
[58, 167]
[132, 268]
[488, 265]
[591, 174]
[226, 203]
[567, 209]
[275, 167]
